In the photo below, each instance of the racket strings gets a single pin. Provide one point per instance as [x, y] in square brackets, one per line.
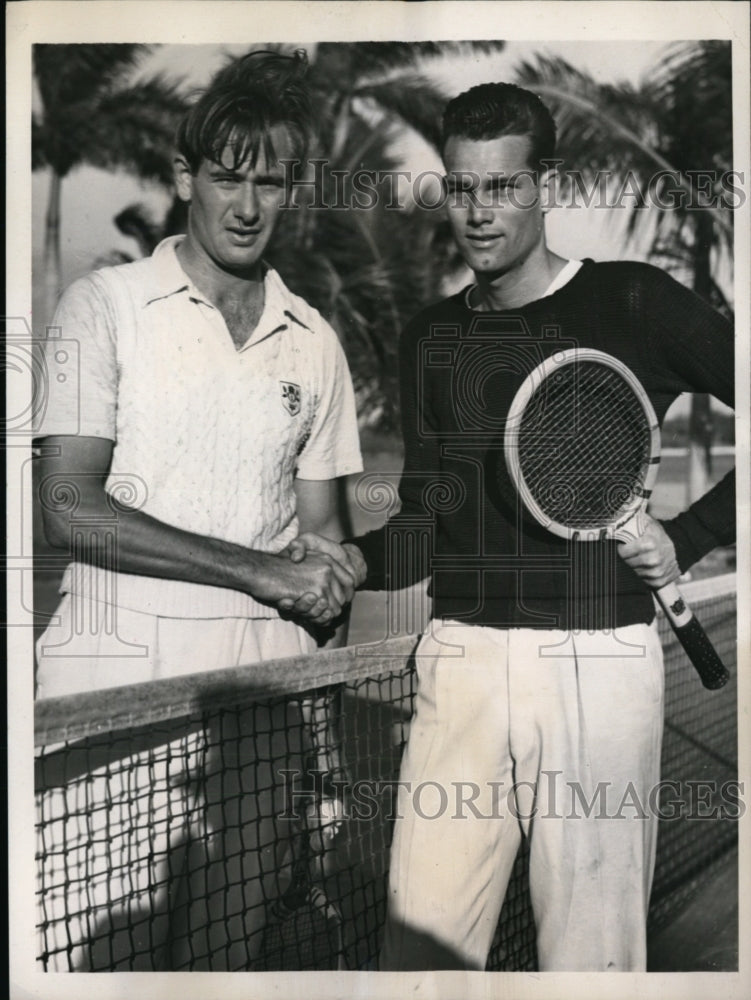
[584, 446]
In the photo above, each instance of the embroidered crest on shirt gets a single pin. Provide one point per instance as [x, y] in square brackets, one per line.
[291, 397]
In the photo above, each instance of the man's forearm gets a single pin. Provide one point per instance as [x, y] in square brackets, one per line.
[709, 522]
[147, 546]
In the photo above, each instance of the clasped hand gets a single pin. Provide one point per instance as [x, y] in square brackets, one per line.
[651, 554]
[321, 604]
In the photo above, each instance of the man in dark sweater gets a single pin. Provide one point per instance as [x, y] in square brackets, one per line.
[539, 706]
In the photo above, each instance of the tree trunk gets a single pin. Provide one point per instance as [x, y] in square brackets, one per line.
[52, 260]
[700, 425]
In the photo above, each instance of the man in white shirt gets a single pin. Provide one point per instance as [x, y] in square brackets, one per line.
[214, 419]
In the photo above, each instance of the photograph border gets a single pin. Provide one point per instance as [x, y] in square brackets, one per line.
[186, 21]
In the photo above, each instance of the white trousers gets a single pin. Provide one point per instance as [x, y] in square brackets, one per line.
[547, 734]
[117, 884]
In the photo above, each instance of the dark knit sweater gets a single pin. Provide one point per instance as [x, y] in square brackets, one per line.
[459, 520]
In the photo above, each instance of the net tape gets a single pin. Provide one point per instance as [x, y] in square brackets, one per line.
[224, 873]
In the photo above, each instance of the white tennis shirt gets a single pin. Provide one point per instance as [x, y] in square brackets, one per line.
[207, 437]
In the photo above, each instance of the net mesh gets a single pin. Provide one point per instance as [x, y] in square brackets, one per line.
[194, 841]
[584, 445]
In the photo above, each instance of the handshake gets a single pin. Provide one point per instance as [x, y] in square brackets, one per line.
[324, 576]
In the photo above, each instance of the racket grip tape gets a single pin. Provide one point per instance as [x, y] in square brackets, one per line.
[693, 638]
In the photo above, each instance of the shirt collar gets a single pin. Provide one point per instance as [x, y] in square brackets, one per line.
[280, 308]
[168, 278]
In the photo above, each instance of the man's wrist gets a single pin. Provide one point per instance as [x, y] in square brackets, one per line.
[249, 570]
[357, 562]
[685, 552]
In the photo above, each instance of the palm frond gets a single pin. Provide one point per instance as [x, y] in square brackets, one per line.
[132, 127]
[692, 86]
[374, 59]
[596, 124]
[69, 74]
[616, 128]
[135, 128]
[414, 100]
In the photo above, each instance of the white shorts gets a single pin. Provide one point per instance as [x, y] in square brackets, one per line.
[91, 645]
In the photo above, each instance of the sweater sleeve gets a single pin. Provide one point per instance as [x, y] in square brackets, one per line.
[396, 554]
[693, 344]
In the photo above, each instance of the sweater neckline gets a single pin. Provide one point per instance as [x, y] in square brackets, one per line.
[560, 284]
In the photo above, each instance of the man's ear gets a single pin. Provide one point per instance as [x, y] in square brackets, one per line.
[183, 177]
[548, 189]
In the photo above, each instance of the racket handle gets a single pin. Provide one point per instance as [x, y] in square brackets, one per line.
[693, 638]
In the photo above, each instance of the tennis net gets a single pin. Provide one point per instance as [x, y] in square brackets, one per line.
[178, 824]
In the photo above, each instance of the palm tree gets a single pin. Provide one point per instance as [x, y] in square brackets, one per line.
[90, 113]
[678, 121]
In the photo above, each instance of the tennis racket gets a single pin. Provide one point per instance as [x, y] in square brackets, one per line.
[582, 447]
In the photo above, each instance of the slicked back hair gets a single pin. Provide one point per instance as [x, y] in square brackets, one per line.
[241, 105]
[493, 110]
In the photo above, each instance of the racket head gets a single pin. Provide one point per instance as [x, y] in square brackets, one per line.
[582, 444]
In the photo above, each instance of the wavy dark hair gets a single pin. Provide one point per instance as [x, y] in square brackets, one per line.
[492, 110]
[241, 105]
